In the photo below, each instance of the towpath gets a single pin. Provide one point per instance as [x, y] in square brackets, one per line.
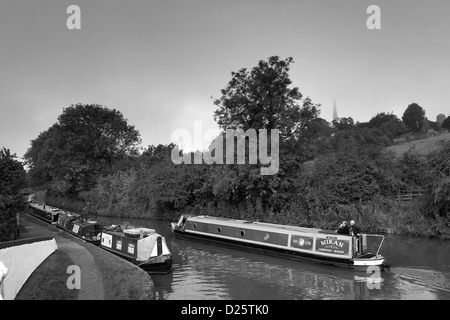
[91, 287]
[91, 274]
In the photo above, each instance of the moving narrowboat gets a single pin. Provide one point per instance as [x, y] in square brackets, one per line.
[44, 212]
[89, 231]
[141, 246]
[318, 245]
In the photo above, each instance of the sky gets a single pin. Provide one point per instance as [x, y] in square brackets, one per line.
[160, 62]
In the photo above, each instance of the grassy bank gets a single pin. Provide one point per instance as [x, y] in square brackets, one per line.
[121, 279]
[48, 281]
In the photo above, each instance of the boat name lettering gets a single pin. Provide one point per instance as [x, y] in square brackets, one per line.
[333, 242]
[334, 246]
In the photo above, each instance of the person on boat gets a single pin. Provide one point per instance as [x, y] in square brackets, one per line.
[354, 229]
[343, 228]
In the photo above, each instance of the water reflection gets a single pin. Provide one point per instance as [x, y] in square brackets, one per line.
[420, 270]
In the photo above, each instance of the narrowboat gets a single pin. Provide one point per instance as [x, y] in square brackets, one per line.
[44, 212]
[87, 230]
[299, 243]
[141, 246]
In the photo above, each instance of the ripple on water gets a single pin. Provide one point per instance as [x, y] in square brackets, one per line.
[422, 283]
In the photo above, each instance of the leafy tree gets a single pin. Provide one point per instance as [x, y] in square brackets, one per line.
[446, 123]
[352, 175]
[161, 186]
[261, 98]
[389, 124]
[12, 180]
[344, 124]
[381, 118]
[414, 116]
[86, 141]
[414, 170]
[439, 164]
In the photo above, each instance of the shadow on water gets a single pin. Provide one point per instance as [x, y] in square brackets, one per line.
[420, 270]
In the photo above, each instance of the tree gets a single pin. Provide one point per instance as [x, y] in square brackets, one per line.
[381, 118]
[439, 199]
[85, 142]
[414, 116]
[388, 123]
[446, 123]
[12, 179]
[344, 124]
[261, 98]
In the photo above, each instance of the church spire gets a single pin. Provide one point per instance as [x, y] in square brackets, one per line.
[335, 116]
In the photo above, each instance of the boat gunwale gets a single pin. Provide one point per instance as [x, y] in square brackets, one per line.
[269, 245]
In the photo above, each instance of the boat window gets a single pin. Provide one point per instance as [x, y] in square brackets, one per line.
[242, 233]
[219, 229]
[195, 226]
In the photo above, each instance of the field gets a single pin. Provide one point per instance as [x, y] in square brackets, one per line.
[422, 146]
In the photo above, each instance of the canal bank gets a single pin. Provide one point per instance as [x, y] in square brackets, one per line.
[103, 276]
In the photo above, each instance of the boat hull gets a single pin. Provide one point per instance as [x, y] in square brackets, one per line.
[162, 265]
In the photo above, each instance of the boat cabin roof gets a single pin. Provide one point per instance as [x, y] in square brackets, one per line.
[257, 225]
[123, 234]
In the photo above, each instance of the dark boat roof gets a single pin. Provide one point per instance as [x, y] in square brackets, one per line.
[75, 218]
[47, 208]
[88, 223]
[123, 234]
[259, 225]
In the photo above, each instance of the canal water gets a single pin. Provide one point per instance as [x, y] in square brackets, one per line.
[420, 269]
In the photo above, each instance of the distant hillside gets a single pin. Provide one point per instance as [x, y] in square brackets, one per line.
[422, 146]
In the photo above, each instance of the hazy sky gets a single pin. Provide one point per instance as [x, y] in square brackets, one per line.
[159, 62]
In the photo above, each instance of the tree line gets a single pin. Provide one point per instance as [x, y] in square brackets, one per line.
[12, 179]
[89, 160]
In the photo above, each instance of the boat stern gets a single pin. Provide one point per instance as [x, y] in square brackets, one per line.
[179, 226]
[158, 265]
[369, 263]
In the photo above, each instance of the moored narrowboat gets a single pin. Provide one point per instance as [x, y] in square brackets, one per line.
[323, 246]
[141, 246]
[89, 231]
[44, 212]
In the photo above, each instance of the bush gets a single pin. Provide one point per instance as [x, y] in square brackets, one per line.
[8, 230]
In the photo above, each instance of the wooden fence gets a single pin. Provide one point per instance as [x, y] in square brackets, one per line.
[403, 195]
